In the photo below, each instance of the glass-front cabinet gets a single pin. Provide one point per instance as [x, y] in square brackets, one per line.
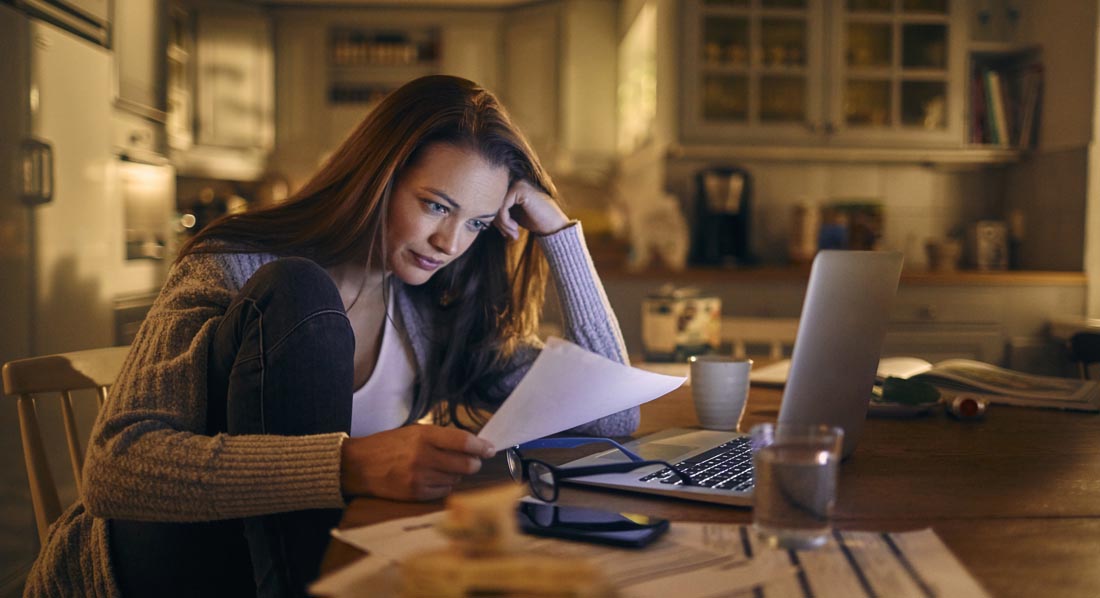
[814, 71]
[899, 71]
[753, 65]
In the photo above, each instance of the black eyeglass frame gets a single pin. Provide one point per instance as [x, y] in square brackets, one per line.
[562, 473]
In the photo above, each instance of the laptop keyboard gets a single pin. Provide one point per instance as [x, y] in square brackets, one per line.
[725, 467]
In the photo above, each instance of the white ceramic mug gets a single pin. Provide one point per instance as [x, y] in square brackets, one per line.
[719, 387]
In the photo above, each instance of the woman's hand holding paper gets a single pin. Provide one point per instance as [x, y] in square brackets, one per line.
[417, 462]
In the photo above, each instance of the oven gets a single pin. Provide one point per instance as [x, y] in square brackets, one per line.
[145, 235]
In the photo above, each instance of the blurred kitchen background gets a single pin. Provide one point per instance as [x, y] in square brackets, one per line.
[705, 144]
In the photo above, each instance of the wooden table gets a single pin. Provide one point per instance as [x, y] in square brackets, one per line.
[1016, 496]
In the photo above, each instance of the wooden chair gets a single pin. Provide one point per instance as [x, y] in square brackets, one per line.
[777, 333]
[1084, 347]
[62, 373]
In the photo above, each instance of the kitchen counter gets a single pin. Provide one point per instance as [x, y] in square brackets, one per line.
[715, 275]
[1000, 317]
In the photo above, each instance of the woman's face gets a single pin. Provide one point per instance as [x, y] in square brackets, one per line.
[438, 208]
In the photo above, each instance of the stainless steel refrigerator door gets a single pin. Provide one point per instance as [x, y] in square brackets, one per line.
[18, 538]
[77, 236]
[15, 231]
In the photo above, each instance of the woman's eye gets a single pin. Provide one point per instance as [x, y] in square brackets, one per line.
[436, 207]
[478, 225]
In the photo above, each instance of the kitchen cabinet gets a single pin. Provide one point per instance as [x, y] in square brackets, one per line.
[551, 63]
[560, 81]
[221, 118]
[810, 72]
[532, 66]
[366, 61]
[180, 77]
[139, 48]
[364, 64]
[935, 323]
[234, 102]
[335, 64]
[753, 68]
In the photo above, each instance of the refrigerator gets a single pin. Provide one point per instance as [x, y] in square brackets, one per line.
[84, 228]
[68, 199]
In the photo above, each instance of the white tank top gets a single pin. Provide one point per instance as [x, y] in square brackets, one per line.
[384, 401]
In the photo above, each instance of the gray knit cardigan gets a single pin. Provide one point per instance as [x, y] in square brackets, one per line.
[149, 460]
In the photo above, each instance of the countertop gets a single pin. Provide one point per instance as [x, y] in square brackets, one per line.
[710, 275]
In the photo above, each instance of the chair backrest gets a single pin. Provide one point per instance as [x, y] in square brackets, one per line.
[1085, 348]
[777, 333]
[62, 373]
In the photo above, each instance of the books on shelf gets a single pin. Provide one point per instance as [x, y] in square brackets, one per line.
[999, 133]
[958, 376]
[1004, 103]
[1031, 81]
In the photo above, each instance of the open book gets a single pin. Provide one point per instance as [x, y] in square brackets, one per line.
[958, 376]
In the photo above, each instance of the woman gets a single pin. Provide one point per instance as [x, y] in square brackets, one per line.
[375, 296]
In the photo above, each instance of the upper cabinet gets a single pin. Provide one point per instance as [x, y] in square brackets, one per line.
[139, 44]
[364, 64]
[532, 68]
[221, 109]
[335, 64]
[234, 104]
[901, 72]
[559, 62]
[809, 72]
[753, 67]
[551, 63]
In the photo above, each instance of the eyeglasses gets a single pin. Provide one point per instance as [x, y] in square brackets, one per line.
[544, 478]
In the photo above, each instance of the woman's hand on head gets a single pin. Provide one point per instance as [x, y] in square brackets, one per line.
[411, 463]
[527, 206]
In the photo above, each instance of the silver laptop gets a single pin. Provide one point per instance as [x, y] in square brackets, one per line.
[836, 353]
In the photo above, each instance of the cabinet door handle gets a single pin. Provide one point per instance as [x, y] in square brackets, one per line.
[830, 128]
[927, 312]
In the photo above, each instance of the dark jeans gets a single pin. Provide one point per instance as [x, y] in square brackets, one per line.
[280, 363]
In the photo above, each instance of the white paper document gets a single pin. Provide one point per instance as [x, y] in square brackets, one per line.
[776, 374]
[568, 386]
[694, 560]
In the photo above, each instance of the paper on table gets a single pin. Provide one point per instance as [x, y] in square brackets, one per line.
[363, 573]
[568, 386]
[634, 573]
[694, 560]
[776, 374]
[397, 539]
[851, 563]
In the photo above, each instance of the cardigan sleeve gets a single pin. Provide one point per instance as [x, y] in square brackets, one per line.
[588, 321]
[149, 459]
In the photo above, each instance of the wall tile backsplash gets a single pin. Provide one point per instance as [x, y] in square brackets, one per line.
[919, 202]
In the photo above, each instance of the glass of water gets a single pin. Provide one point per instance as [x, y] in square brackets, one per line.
[796, 472]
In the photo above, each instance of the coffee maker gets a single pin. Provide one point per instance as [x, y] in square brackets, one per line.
[723, 211]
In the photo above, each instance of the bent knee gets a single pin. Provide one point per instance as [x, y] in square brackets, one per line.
[298, 270]
[297, 284]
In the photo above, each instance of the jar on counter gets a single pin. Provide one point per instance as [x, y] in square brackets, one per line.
[680, 322]
[802, 237]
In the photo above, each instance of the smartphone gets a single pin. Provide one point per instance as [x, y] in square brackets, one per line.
[590, 525]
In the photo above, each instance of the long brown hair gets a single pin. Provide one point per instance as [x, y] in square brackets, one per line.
[487, 300]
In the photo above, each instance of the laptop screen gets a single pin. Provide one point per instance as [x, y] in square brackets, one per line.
[839, 340]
